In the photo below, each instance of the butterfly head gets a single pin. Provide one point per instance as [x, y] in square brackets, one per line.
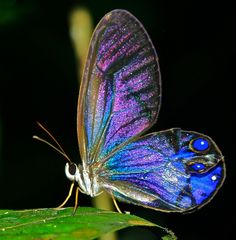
[72, 171]
[86, 180]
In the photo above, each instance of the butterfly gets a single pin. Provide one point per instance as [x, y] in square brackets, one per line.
[119, 100]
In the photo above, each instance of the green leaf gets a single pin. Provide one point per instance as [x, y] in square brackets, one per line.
[87, 223]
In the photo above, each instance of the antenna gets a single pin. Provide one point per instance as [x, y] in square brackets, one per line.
[60, 150]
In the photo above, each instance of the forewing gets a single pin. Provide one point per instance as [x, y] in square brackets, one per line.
[120, 92]
[167, 171]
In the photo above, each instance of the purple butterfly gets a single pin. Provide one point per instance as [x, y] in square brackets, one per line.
[119, 100]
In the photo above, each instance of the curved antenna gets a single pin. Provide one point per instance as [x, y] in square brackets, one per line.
[60, 150]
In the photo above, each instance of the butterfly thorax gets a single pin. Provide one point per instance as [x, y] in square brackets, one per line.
[84, 176]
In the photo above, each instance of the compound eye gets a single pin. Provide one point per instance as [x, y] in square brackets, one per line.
[72, 168]
[199, 145]
[71, 171]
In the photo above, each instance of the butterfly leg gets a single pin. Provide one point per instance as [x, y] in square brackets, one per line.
[68, 196]
[115, 203]
[76, 199]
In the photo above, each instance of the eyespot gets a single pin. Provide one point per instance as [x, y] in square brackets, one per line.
[198, 167]
[199, 144]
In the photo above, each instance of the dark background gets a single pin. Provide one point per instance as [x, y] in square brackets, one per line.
[38, 82]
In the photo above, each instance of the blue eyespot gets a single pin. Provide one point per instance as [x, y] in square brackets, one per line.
[200, 144]
[198, 167]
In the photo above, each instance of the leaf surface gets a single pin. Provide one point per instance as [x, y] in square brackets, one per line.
[45, 224]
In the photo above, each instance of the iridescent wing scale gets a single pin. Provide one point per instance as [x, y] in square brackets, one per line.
[119, 99]
[120, 90]
[166, 171]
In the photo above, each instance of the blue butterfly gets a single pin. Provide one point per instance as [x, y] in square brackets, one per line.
[119, 100]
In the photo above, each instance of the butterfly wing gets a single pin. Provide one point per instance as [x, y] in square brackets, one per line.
[120, 91]
[172, 170]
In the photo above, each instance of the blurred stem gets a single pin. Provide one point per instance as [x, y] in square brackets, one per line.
[104, 201]
[81, 31]
[81, 28]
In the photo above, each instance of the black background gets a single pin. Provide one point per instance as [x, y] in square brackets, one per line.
[38, 77]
